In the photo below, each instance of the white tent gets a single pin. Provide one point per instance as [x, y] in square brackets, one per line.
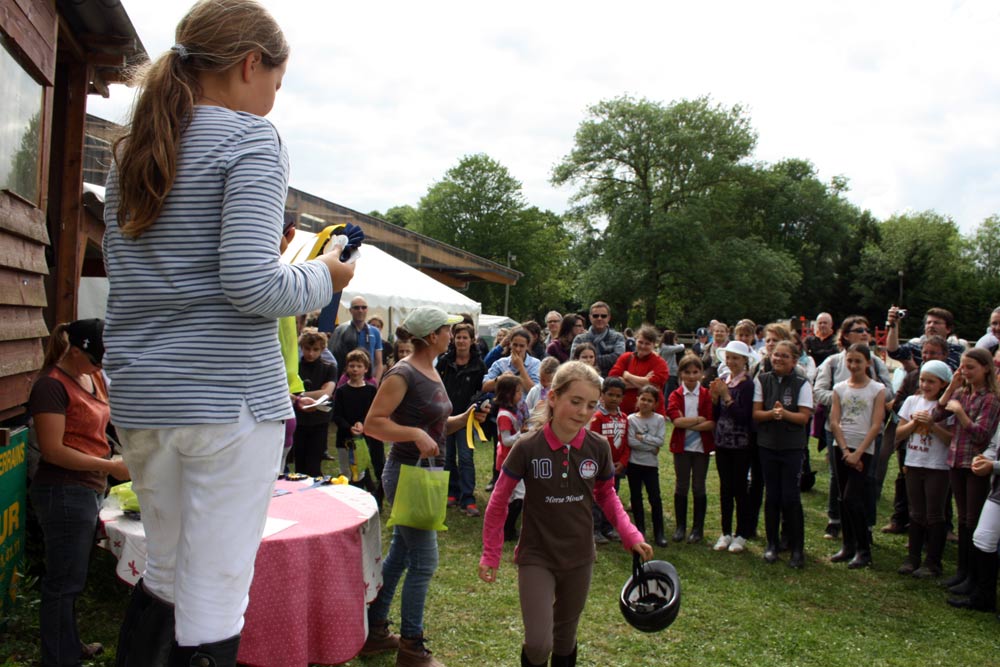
[391, 287]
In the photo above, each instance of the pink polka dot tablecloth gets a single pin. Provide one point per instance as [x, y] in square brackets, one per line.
[317, 568]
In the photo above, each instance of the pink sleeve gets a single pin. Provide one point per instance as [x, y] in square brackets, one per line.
[607, 499]
[496, 514]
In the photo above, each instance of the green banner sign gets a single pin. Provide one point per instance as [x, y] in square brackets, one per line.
[13, 489]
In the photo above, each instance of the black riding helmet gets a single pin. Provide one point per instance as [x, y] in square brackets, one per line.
[651, 598]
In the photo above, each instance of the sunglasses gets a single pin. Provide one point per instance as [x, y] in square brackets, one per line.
[598, 316]
[860, 330]
[359, 307]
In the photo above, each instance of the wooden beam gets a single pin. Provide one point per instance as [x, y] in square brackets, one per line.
[22, 219]
[71, 244]
[22, 289]
[446, 278]
[494, 277]
[32, 35]
[111, 60]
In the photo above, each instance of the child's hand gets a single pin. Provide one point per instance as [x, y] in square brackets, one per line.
[778, 411]
[954, 407]
[358, 428]
[619, 468]
[982, 466]
[644, 550]
[487, 573]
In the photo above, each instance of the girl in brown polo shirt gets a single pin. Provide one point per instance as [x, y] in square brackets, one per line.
[565, 468]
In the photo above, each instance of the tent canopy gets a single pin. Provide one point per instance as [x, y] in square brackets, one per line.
[391, 287]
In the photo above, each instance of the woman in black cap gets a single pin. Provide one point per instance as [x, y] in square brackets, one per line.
[69, 406]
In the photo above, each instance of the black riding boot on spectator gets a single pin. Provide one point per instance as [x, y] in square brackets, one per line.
[147, 633]
[680, 516]
[984, 595]
[527, 663]
[698, 522]
[962, 571]
[772, 524]
[796, 535]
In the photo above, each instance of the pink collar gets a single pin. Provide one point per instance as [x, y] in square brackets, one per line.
[553, 440]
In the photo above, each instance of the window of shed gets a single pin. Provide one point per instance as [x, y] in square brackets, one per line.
[20, 135]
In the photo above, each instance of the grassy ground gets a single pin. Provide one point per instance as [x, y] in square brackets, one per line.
[736, 609]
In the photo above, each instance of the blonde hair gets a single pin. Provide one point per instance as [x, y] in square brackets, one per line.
[568, 373]
[214, 36]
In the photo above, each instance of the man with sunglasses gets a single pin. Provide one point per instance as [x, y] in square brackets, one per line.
[609, 343]
[358, 333]
[937, 322]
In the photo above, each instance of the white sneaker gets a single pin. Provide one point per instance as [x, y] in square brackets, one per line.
[723, 543]
[738, 546]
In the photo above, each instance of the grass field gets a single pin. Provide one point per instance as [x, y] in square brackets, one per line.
[736, 609]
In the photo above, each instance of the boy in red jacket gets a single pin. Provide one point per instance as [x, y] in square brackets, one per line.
[612, 423]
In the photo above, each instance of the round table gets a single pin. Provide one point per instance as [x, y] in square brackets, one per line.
[318, 566]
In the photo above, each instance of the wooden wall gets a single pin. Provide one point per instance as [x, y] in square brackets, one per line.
[31, 29]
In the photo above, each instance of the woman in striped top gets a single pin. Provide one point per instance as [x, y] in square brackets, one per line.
[193, 216]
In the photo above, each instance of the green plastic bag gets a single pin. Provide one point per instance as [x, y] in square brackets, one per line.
[421, 498]
[361, 458]
[127, 499]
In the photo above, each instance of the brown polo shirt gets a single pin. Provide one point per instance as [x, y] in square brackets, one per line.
[557, 525]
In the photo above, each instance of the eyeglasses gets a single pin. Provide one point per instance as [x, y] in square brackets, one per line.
[553, 321]
[860, 330]
[359, 307]
[598, 316]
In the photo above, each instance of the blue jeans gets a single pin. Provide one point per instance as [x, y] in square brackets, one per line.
[68, 517]
[410, 549]
[459, 460]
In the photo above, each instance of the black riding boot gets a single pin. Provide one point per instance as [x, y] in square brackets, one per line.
[967, 585]
[849, 541]
[217, 654]
[936, 536]
[564, 660]
[984, 595]
[962, 571]
[862, 537]
[658, 534]
[698, 524]
[916, 533]
[796, 535]
[147, 633]
[772, 521]
[680, 517]
[510, 532]
[527, 663]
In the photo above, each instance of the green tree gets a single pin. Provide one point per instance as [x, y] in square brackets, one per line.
[479, 206]
[642, 167]
[401, 216]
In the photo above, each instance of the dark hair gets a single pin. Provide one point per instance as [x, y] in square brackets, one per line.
[520, 331]
[57, 346]
[941, 313]
[312, 337]
[533, 327]
[613, 383]
[651, 390]
[668, 337]
[690, 359]
[579, 349]
[406, 337]
[462, 326]
[359, 355]
[506, 390]
[863, 350]
[566, 327]
[849, 322]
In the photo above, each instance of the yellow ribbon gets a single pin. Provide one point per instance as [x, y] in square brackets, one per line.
[473, 425]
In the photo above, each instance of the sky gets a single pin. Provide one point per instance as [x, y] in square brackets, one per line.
[380, 99]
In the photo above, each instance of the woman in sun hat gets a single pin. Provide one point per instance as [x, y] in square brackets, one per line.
[412, 411]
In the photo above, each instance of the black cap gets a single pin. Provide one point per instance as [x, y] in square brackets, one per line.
[88, 335]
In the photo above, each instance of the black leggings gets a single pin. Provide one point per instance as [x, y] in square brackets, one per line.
[309, 445]
[733, 466]
[970, 493]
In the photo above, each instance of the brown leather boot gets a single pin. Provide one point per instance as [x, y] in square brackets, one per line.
[413, 653]
[380, 639]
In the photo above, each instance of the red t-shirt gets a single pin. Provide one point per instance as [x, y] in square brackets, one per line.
[615, 429]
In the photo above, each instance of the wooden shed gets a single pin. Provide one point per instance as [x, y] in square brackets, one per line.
[53, 54]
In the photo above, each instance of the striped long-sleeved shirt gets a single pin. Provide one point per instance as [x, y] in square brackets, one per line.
[191, 329]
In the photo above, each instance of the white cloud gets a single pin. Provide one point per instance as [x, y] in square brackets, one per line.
[381, 98]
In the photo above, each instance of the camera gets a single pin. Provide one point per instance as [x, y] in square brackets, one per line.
[900, 313]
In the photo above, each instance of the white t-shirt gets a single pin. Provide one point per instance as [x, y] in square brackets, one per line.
[923, 451]
[856, 408]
